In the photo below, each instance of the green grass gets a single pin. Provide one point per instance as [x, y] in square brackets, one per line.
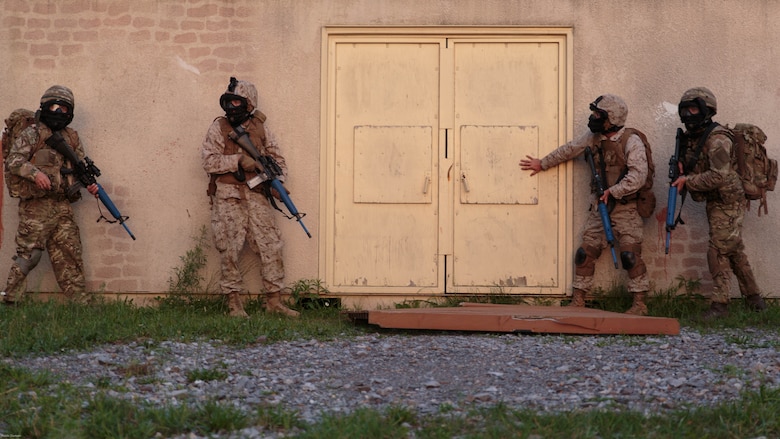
[29, 408]
[38, 405]
[49, 327]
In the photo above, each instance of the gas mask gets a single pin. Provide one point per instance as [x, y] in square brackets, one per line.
[235, 106]
[694, 114]
[596, 123]
[56, 114]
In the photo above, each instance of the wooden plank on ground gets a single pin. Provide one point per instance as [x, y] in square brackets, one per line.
[523, 318]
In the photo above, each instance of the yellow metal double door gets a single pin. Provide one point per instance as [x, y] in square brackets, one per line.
[424, 191]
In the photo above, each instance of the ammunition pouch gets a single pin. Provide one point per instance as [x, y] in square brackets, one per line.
[645, 203]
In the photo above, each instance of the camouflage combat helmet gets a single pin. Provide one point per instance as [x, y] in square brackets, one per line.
[704, 95]
[243, 91]
[615, 108]
[702, 99]
[58, 93]
[57, 104]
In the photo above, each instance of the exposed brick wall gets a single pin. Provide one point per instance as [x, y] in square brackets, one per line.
[687, 256]
[204, 33]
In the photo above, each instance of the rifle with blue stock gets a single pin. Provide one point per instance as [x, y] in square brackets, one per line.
[268, 173]
[85, 172]
[671, 205]
[598, 183]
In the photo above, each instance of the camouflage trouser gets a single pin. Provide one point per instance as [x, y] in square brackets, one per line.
[249, 219]
[627, 227]
[727, 250]
[48, 224]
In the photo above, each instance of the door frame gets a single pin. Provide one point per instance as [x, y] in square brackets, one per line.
[332, 35]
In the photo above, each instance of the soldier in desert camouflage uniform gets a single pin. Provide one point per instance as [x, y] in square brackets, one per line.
[709, 176]
[46, 219]
[238, 213]
[623, 153]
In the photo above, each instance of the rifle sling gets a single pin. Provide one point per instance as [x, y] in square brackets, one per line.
[690, 164]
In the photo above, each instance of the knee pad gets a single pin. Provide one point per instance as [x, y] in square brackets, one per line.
[580, 256]
[26, 265]
[632, 261]
[585, 260]
[628, 259]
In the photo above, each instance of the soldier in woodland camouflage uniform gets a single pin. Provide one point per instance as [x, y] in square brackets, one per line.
[709, 176]
[238, 213]
[45, 215]
[623, 153]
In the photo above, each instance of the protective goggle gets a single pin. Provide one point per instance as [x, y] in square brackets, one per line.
[57, 108]
[684, 108]
[594, 107]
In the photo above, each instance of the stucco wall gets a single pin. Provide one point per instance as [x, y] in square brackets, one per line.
[147, 76]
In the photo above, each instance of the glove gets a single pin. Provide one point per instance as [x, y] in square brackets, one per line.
[247, 163]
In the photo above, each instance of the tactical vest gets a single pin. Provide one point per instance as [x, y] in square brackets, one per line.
[731, 189]
[613, 155]
[48, 161]
[256, 131]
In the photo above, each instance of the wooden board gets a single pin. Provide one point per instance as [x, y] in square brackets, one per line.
[521, 318]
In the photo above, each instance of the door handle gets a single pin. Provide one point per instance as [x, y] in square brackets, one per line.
[465, 183]
[426, 184]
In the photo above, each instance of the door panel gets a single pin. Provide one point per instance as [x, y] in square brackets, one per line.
[385, 224]
[506, 223]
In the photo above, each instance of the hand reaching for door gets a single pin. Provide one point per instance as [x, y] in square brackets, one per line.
[531, 164]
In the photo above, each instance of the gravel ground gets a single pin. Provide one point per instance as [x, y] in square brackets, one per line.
[425, 372]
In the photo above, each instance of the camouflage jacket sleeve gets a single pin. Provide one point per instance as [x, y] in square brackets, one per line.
[713, 167]
[272, 149]
[636, 161]
[18, 160]
[211, 153]
[569, 150]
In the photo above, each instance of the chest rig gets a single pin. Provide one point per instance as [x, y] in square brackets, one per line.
[610, 159]
[257, 135]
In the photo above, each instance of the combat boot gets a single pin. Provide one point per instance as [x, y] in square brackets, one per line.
[717, 310]
[577, 298]
[638, 308]
[82, 298]
[755, 302]
[235, 306]
[274, 304]
[7, 299]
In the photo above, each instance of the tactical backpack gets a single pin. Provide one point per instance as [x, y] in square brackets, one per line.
[16, 122]
[748, 156]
